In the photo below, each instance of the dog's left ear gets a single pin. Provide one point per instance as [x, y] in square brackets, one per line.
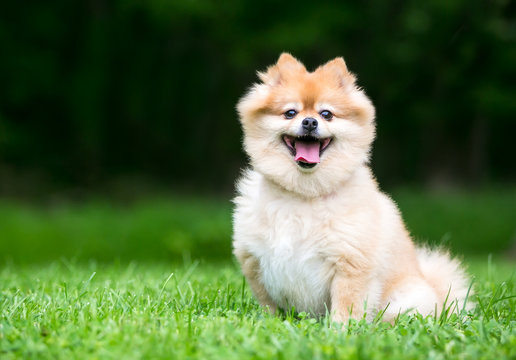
[338, 64]
[338, 69]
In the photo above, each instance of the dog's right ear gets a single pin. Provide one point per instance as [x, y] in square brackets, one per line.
[286, 65]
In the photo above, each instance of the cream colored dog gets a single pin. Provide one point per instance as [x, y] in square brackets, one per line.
[311, 228]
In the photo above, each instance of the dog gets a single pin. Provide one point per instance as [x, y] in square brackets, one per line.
[311, 229]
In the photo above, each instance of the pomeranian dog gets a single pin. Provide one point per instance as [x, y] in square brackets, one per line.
[312, 230]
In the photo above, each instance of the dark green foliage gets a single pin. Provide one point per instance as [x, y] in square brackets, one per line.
[96, 89]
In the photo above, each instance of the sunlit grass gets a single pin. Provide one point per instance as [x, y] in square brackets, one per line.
[95, 280]
[66, 310]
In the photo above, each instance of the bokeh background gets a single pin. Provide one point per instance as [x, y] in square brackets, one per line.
[119, 138]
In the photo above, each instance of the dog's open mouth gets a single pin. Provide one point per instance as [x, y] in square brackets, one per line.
[306, 150]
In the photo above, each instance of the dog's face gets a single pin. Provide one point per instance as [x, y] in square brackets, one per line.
[307, 131]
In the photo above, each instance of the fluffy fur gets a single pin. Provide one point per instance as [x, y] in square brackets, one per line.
[325, 238]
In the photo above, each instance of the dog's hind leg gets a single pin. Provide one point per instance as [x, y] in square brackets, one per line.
[251, 270]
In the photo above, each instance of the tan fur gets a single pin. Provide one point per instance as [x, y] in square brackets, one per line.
[326, 238]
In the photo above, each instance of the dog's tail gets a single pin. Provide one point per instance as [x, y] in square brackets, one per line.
[446, 275]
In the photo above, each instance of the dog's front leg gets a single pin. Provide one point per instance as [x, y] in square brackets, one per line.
[348, 296]
[251, 270]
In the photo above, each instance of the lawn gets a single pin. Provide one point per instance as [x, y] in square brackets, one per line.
[66, 310]
[154, 279]
[171, 227]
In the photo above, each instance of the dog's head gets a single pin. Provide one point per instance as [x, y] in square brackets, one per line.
[307, 131]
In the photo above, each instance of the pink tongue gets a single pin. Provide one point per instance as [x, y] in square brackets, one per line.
[308, 151]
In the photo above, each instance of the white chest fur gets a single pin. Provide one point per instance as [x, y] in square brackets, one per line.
[295, 274]
[287, 237]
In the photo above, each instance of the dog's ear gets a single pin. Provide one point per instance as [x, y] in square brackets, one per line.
[285, 66]
[337, 68]
[288, 63]
[338, 65]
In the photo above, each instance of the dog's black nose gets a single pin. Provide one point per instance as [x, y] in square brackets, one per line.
[309, 124]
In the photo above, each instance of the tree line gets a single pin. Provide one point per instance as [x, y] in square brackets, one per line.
[95, 89]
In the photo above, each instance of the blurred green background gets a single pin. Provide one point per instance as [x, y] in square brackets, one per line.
[119, 138]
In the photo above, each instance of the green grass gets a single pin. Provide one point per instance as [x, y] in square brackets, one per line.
[165, 228]
[68, 310]
[150, 229]
[471, 222]
[96, 280]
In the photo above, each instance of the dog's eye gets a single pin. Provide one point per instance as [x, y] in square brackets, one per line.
[290, 114]
[326, 115]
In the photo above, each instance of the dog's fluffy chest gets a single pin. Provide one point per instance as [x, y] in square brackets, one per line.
[289, 240]
[295, 274]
